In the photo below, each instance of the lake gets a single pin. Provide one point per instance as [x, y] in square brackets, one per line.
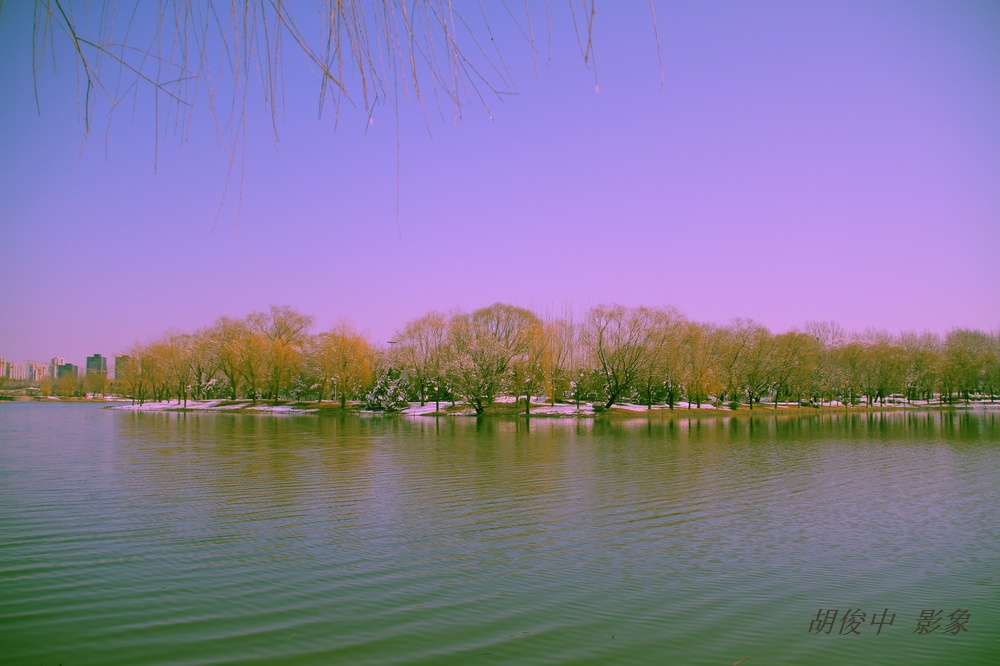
[165, 538]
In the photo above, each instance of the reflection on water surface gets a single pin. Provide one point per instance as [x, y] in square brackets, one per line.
[213, 538]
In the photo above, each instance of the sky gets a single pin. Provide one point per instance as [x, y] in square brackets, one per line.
[801, 162]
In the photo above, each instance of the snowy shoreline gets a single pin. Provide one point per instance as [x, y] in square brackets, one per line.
[537, 409]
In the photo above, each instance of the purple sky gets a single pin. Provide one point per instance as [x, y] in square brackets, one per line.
[804, 161]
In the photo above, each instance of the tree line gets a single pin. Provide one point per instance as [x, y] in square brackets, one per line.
[612, 355]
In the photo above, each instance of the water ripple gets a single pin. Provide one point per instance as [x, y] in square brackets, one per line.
[223, 539]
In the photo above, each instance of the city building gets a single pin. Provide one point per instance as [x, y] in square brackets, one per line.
[120, 364]
[97, 364]
[31, 371]
[37, 371]
[67, 370]
[54, 366]
[17, 371]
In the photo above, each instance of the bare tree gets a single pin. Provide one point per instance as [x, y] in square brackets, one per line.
[751, 359]
[618, 339]
[884, 370]
[849, 368]
[967, 356]
[223, 344]
[127, 375]
[176, 349]
[201, 362]
[285, 331]
[483, 345]
[558, 356]
[660, 378]
[795, 361]
[991, 375]
[701, 349]
[95, 383]
[251, 355]
[527, 369]
[345, 360]
[422, 342]
[143, 375]
[922, 359]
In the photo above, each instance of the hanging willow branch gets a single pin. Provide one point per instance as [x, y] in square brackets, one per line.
[229, 54]
[363, 52]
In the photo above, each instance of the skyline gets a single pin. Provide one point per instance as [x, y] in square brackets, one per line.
[830, 162]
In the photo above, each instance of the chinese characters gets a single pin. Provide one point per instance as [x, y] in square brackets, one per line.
[853, 621]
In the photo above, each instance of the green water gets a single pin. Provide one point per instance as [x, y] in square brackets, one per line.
[234, 539]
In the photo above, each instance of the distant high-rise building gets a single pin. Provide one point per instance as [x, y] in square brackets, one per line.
[97, 364]
[54, 366]
[67, 370]
[31, 371]
[37, 371]
[120, 364]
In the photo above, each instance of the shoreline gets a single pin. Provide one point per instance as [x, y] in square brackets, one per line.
[505, 407]
[538, 410]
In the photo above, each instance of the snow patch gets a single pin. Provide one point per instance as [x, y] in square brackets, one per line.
[416, 409]
[563, 409]
[630, 407]
[211, 406]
